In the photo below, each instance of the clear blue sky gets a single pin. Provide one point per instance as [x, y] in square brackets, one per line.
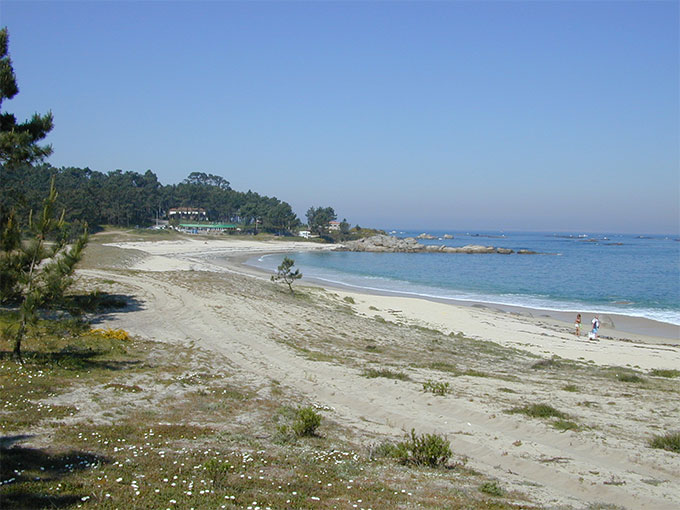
[559, 116]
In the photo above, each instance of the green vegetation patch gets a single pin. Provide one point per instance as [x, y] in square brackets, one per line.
[561, 424]
[431, 450]
[669, 441]
[56, 358]
[492, 489]
[306, 422]
[622, 374]
[628, 377]
[664, 372]
[538, 411]
[211, 446]
[444, 366]
[437, 387]
[475, 373]
[372, 373]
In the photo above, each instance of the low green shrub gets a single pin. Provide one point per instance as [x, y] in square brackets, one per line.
[669, 441]
[664, 372]
[436, 387]
[572, 388]
[565, 425]
[349, 299]
[628, 377]
[491, 488]
[372, 373]
[306, 422]
[538, 411]
[385, 449]
[425, 450]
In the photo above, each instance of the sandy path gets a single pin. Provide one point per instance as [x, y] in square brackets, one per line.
[585, 470]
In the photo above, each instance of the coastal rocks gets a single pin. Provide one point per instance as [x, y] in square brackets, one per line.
[390, 244]
[425, 236]
[383, 243]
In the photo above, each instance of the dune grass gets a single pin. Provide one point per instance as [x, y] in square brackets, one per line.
[669, 441]
[661, 372]
[373, 373]
[538, 411]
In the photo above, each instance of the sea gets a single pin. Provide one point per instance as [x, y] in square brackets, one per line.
[631, 274]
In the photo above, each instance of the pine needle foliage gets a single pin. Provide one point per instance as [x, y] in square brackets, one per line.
[35, 273]
[18, 140]
[286, 274]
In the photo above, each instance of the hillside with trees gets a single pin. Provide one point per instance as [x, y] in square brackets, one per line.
[129, 199]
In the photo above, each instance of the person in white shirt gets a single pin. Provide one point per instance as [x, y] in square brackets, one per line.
[596, 327]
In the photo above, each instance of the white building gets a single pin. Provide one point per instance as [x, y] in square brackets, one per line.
[188, 213]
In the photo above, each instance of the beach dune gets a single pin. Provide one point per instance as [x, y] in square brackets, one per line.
[495, 360]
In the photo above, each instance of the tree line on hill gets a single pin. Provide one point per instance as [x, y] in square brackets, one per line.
[129, 198]
[132, 199]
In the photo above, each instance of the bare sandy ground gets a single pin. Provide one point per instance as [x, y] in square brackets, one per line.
[319, 344]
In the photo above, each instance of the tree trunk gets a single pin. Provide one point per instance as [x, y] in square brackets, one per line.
[17, 341]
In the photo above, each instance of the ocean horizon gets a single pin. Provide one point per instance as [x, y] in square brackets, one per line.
[637, 275]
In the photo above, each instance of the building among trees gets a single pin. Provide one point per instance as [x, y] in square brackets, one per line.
[188, 213]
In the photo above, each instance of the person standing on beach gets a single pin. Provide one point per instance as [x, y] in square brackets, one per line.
[596, 327]
[578, 324]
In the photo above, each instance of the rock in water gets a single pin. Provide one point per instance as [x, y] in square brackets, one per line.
[390, 244]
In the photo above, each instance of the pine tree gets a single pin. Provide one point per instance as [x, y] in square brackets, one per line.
[286, 274]
[18, 141]
[36, 273]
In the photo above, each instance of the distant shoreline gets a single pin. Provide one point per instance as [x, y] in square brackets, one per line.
[663, 331]
[232, 255]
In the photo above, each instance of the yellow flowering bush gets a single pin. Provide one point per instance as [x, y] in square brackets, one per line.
[114, 334]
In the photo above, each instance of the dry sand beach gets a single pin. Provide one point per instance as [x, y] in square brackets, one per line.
[320, 343]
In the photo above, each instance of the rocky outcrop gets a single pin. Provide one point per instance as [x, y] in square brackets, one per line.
[425, 236]
[390, 244]
[383, 243]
